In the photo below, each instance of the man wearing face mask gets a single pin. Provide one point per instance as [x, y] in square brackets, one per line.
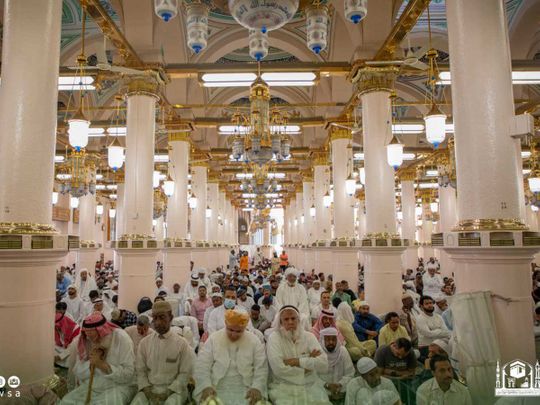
[216, 321]
[232, 364]
[292, 293]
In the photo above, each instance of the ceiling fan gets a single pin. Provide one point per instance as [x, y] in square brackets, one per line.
[355, 128]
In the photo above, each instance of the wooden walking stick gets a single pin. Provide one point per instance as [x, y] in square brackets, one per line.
[89, 391]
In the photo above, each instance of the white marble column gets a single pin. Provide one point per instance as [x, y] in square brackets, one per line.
[28, 96]
[212, 202]
[382, 264]
[341, 169]
[408, 223]
[88, 251]
[489, 178]
[300, 253]
[137, 273]
[322, 223]
[308, 239]
[119, 222]
[176, 256]
[447, 220]
[199, 177]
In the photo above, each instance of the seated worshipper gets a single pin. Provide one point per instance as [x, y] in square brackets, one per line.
[430, 326]
[75, 305]
[442, 388]
[216, 320]
[85, 283]
[324, 304]
[314, 294]
[99, 306]
[243, 299]
[392, 330]
[144, 307]
[342, 295]
[203, 278]
[366, 325]
[340, 366]
[397, 359]
[292, 293]
[257, 321]
[164, 362]
[266, 293]
[199, 307]
[65, 330]
[217, 300]
[103, 354]
[160, 287]
[123, 318]
[326, 320]
[361, 390]
[432, 282]
[62, 283]
[232, 365]
[356, 348]
[407, 318]
[139, 331]
[182, 326]
[346, 289]
[268, 310]
[296, 359]
[441, 304]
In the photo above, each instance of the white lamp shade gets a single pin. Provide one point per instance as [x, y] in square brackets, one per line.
[350, 186]
[418, 211]
[54, 197]
[312, 212]
[434, 207]
[78, 133]
[208, 212]
[193, 202]
[115, 157]
[295, 222]
[435, 128]
[327, 200]
[74, 202]
[534, 208]
[154, 222]
[155, 178]
[534, 184]
[363, 175]
[394, 154]
[168, 187]
[112, 212]
[99, 209]
[400, 215]
[302, 219]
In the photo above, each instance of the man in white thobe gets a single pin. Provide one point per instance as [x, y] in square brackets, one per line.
[430, 326]
[232, 364]
[216, 320]
[217, 301]
[296, 359]
[164, 362]
[292, 293]
[139, 331]
[85, 283]
[75, 305]
[361, 390]
[432, 282]
[340, 365]
[109, 350]
[442, 388]
[203, 278]
[314, 294]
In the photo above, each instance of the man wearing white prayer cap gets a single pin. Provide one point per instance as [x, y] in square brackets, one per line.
[361, 389]
[203, 278]
[292, 293]
[191, 290]
[75, 305]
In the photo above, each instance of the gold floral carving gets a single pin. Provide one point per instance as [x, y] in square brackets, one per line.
[26, 228]
[488, 224]
[376, 78]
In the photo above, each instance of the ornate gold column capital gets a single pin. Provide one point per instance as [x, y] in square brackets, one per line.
[179, 136]
[320, 158]
[142, 85]
[407, 174]
[375, 78]
[199, 159]
[299, 188]
[339, 133]
[213, 177]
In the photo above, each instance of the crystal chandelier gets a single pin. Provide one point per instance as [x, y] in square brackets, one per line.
[263, 138]
[77, 176]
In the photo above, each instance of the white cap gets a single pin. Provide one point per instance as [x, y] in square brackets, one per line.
[442, 344]
[365, 365]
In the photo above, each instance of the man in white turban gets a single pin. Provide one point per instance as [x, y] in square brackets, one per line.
[203, 278]
[340, 365]
[362, 389]
[85, 283]
[296, 359]
[292, 293]
[75, 305]
[232, 364]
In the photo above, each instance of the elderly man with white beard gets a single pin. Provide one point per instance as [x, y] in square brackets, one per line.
[292, 293]
[232, 364]
[296, 359]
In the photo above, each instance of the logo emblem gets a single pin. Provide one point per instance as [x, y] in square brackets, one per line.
[14, 381]
[2, 382]
[517, 378]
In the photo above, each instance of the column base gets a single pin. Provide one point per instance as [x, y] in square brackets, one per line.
[383, 284]
[138, 274]
[345, 266]
[28, 265]
[498, 261]
[176, 266]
